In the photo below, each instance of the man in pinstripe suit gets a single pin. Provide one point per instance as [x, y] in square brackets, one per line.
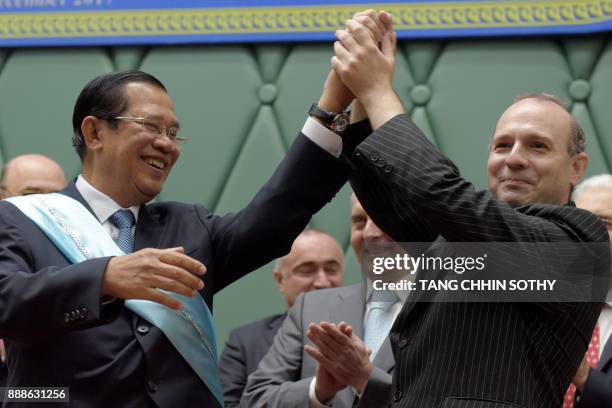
[498, 355]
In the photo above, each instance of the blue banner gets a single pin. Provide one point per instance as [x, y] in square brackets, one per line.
[131, 22]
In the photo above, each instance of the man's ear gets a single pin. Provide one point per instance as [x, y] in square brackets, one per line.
[90, 128]
[578, 165]
[278, 280]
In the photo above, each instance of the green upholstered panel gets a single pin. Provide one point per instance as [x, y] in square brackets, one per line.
[243, 105]
[37, 93]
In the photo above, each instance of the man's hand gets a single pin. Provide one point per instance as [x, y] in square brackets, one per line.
[341, 353]
[366, 69]
[336, 96]
[326, 385]
[139, 275]
[582, 374]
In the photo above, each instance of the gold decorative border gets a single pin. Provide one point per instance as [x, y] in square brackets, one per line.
[312, 19]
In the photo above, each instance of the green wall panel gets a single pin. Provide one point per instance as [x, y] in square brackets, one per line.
[214, 90]
[242, 106]
[38, 89]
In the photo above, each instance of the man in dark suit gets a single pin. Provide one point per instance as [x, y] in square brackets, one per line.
[594, 383]
[472, 354]
[3, 370]
[288, 377]
[28, 174]
[84, 336]
[314, 262]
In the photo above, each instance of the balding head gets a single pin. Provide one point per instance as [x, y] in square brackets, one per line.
[595, 194]
[316, 261]
[30, 174]
[535, 156]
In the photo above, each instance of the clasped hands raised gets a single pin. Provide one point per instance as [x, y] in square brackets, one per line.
[363, 67]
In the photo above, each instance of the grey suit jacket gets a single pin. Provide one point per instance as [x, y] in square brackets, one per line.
[284, 375]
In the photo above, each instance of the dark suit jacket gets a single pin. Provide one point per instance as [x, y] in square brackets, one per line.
[107, 355]
[3, 374]
[243, 351]
[597, 392]
[467, 354]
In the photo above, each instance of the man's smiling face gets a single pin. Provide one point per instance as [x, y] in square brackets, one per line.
[529, 160]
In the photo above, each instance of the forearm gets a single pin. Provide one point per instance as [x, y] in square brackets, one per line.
[303, 183]
[381, 107]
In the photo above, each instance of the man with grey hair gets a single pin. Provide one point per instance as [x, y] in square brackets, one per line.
[593, 381]
[315, 262]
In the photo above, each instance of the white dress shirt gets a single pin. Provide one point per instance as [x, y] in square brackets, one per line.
[103, 206]
[605, 326]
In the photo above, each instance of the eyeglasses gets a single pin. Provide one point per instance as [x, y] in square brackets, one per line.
[155, 127]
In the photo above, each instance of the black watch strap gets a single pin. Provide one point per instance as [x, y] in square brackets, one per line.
[336, 121]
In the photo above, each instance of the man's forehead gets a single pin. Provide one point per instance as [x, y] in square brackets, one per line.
[533, 114]
[356, 208]
[143, 95]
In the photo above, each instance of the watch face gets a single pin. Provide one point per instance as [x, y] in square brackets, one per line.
[341, 122]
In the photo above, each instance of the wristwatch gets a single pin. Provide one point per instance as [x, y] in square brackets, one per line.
[337, 122]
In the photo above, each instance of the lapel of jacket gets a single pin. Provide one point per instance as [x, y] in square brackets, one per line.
[350, 307]
[606, 356]
[149, 229]
[384, 358]
[272, 327]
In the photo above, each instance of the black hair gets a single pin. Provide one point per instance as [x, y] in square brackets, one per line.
[103, 97]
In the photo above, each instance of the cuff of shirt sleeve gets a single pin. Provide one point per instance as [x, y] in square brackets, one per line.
[312, 397]
[323, 136]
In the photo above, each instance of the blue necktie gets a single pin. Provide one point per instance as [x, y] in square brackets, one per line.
[380, 319]
[124, 220]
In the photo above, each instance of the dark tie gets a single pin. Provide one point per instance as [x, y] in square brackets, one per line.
[124, 220]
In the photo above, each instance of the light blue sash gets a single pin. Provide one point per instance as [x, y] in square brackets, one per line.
[80, 236]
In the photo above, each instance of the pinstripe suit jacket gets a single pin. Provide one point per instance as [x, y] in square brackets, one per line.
[469, 354]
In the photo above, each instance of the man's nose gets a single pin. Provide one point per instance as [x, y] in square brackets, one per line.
[322, 280]
[516, 158]
[371, 231]
[165, 144]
